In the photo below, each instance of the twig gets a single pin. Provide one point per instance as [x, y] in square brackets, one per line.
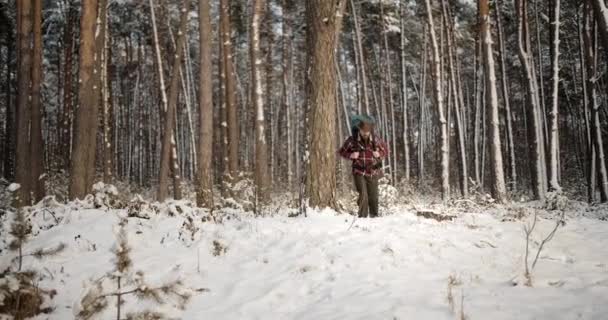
[548, 238]
[352, 223]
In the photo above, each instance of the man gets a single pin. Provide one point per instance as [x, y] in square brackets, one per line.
[366, 152]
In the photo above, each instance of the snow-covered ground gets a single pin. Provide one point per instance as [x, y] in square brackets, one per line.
[320, 267]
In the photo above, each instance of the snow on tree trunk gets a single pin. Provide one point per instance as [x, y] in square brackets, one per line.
[404, 97]
[537, 147]
[499, 191]
[506, 97]
[169, 148]
[554, 135]
[437, 92]
[229, 93]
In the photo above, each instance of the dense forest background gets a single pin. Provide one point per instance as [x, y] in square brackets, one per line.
[500, 97]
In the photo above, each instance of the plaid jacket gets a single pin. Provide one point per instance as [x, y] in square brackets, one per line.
[366, 164]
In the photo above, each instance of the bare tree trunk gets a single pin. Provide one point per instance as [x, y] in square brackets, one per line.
[404, 97]
[361, 58]
[598, 159]
[499, 191]
[554, 135]
[23, 174]
[438, 84]
[169, 148]
[205, 137]
[106, 96]
[323, 24]
[286, 87]
[458, 102]
[506, 97]
[36, 142]
[479, 93]
[86, 115]
[230, 93]
[66, 114]
[538, 170]
[261, 148]
[8, 147]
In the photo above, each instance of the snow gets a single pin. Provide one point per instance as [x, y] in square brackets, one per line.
[13, 187]
[394, 267]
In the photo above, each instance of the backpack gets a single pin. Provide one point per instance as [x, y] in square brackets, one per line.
[356, 120]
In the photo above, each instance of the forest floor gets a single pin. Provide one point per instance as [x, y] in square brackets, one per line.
[329, 265]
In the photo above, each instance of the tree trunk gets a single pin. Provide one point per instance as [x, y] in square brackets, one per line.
[323, 22]
[458, 101]
[257, 72]
[23, 157]
[554, 135]
[36, 142]
[404, 98]
[359, 50]
[506, 97]
[204, 193]
[438, 95]
[538, 165]
[86, 114]
[169, 148]
[598, 161]
[230, 93]
[499, 191]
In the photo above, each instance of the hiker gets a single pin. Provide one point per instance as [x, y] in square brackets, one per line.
[366, 152]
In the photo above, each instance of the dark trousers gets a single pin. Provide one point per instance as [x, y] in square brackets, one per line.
[368, 195]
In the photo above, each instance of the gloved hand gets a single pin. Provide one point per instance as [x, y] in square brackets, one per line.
[354, 155]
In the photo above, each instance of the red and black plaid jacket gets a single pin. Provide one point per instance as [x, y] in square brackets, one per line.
[366, 164]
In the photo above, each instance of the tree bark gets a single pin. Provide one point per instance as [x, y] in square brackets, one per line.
[36, 142]
[537, 148]
[323, 24]
[169, 148]
[404, 98]
[507, 98]
[23, 157]
[261, 147]
[438, 95]
[204, 195]
[554, 134]
[230, 94]
[86, 114]
[499, 191]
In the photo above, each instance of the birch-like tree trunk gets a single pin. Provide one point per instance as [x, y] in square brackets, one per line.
[438, 95]
[404, 98]
[359, 52]
[507, 99]
[204, 195]
[499, 191]
[537, 147]
[553, 123]
[597, 160]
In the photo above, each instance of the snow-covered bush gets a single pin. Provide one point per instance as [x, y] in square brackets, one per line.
[105, 196]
